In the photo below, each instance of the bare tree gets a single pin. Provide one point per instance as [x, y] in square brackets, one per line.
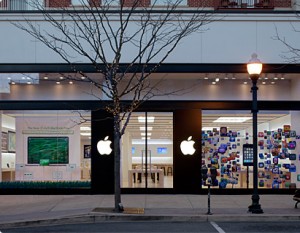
[292, 54]
[109, 35]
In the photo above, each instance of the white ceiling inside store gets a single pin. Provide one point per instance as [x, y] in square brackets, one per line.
[208, 120]
[161, 128]
[163, 122]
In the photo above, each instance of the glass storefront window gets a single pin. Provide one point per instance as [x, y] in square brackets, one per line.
[226, 135]
[45, 149]
[147, 151]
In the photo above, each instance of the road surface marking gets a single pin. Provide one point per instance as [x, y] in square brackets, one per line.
[216, 226]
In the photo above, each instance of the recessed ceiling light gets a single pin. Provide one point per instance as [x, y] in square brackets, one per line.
[82, 77]
[266, 78]
[213, 83]
[272, 82]
[85, 128]
[264, 83]
[142, 119]
[206, 78]
[209, 128]
[45, 77]
[61, 78]
[232, 119]
[57, 83]
[282, 78]
[245, 82]
[9, 78]
[13, 83]
[144, 134]
[275, 78]
[85, 134]
[152, 142]
[217, 79]
[28, 83]
[144, 128]
[70, 82]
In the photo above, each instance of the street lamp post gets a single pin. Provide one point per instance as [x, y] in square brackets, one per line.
[254, 68]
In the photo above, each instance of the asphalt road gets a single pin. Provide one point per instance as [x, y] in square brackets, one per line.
[150, 226]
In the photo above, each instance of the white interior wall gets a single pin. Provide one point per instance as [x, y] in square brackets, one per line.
[8, 160]
[155, 157]
[280, 122]
[39, 126]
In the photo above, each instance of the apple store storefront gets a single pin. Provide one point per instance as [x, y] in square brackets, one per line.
[56, 139]
[168, 147]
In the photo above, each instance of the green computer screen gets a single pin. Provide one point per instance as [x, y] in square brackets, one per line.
[53, 149]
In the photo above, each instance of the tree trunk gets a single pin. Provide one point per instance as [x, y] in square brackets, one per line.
[117, 154]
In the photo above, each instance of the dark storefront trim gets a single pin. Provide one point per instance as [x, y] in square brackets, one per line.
[164, 68]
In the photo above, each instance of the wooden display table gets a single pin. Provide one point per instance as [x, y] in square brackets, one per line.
[134, 173]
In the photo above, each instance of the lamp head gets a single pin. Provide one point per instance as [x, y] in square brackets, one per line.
[254, 67]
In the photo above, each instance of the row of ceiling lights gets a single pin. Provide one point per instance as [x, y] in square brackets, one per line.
[62, 78]
[30, 81]
[216, 80]
[235, 76]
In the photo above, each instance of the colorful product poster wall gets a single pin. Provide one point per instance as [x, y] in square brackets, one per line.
[39, 137]
[222, 158]
[278, 157]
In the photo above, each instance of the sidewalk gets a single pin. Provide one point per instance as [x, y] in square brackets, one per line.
[19, 210]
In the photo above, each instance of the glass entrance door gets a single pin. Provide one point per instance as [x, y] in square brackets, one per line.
[147, 151]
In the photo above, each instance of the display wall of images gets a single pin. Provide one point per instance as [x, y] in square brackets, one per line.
[225, 156]
[277, 151]
[221, 160]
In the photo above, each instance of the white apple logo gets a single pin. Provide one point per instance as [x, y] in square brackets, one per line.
[103, 146]
[187, 146]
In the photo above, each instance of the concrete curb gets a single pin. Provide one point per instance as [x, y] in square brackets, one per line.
[103, 217]
[45, 222]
